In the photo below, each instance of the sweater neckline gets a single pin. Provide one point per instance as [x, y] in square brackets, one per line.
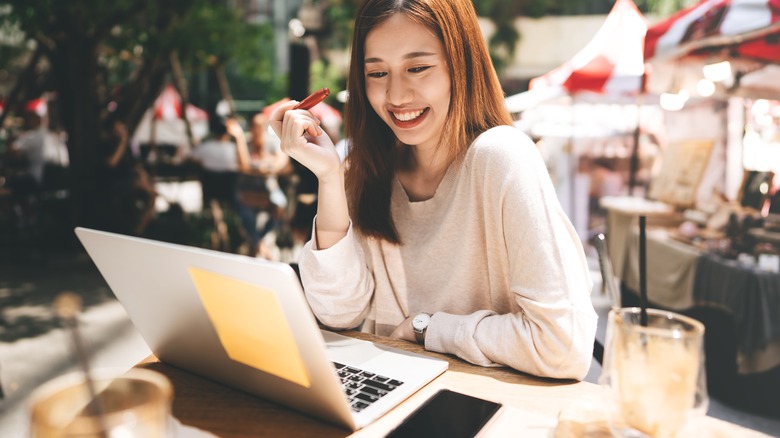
[446, 186]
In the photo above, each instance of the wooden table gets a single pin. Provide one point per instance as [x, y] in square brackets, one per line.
[532, 405]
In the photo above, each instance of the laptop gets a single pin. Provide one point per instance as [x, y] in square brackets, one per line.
[245, 323]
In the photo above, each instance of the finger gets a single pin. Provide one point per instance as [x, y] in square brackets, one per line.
[314, 131]
[277, 116]
[303, 122]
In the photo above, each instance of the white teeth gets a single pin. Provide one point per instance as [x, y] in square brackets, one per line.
[405, 117]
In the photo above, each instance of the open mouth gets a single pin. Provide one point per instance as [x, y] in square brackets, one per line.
[408, 119]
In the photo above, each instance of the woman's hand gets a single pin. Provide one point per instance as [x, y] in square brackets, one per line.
[404, 331]
[303, 139]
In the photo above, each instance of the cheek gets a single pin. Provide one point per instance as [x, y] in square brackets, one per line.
[375, 94]
[437, 89]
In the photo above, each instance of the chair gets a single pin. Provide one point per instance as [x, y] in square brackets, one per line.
[599, 242]
[220, 194]
[219, 186]
[756, 392]
[720, 349]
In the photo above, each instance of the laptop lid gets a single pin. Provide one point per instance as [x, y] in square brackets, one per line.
[244, 322]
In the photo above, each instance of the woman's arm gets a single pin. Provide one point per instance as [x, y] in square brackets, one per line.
[338, 284]
[551, 334]
[303, 140]
[121, 132]
[242, 150]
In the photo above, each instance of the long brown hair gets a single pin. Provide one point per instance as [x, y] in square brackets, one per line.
[476, 104]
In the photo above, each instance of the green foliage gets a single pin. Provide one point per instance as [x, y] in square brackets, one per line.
[340, 15]
[663, 8]
[326, 75]
[127, 34]
[504, 40]
[107, 60]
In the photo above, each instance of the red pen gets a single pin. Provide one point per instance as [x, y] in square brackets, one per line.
[313, 99]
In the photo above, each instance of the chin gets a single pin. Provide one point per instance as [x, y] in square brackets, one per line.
[410, 139]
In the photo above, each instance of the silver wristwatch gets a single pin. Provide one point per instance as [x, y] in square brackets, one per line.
[420, 326]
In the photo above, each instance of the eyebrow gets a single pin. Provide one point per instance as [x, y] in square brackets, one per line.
[407, 56]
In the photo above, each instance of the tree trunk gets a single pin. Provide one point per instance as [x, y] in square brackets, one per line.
[180, 83]
[74, 69]
[77, 78]
[224, 87]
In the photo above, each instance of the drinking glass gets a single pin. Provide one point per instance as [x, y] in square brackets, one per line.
[134, 404]
[655, 374]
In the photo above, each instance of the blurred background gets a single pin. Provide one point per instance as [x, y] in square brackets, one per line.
[74, 71]
[128, 116]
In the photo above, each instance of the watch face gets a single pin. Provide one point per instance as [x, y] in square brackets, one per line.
[421, 321]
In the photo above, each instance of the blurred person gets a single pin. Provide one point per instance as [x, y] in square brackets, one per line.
[39, 148]
[222, 157]
[259, 190]
[126, 191]
[444, 227]
[604, 181]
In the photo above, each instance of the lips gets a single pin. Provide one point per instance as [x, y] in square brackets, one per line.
[408, 119]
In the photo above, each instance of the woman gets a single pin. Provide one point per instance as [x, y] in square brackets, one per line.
[448, 231]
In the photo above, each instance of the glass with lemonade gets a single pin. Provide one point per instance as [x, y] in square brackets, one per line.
[655, 372]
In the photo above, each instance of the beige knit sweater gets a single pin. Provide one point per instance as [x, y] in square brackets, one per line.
[492, 256]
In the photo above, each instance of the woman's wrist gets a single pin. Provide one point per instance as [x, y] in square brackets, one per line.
[332, 177]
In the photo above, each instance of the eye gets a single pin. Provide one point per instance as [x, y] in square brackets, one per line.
[419, 69]
[377, 74]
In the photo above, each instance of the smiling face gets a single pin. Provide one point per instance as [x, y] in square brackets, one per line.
[407, 80]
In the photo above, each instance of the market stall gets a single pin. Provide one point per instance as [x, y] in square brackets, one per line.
[711, 258]
[586, 116]
[163, 125]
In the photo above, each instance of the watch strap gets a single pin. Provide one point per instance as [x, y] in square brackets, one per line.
[419, 335]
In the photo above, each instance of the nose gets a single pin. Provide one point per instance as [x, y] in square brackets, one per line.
[398, 91]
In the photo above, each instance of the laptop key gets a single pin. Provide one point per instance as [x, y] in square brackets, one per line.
[379, 385]
[366, 397]
[373, 391]
[359, 406]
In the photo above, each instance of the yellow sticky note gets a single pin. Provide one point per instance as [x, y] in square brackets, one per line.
[251, 325]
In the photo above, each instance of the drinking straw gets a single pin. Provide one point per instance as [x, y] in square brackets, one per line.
[642, 272]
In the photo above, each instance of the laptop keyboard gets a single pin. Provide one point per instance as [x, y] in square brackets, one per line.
[363, 388]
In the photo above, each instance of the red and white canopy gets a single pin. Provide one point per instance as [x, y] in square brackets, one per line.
[168, 107]
[38, 106]
[611, 62]
[749, 29]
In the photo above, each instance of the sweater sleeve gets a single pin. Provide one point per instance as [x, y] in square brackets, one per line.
[551, 333]
[336, 281]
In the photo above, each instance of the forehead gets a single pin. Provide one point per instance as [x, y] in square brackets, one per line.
[399, 35]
